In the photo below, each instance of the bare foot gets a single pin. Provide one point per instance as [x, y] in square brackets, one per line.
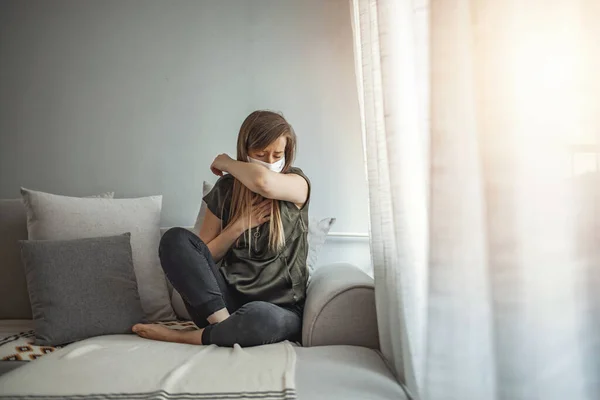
[155, 332]
[159, 332]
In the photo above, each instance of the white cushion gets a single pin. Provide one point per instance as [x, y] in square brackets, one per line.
[317, 234]
[206, 187]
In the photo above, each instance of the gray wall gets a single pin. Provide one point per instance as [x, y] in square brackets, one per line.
[139, 96]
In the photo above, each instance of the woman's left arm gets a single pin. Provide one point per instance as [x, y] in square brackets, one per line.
[269, 184]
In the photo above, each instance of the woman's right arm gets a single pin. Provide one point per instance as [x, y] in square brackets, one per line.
[220, 241]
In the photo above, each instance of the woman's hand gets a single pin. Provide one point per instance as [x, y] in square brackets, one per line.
[220, 164]
[261, 213]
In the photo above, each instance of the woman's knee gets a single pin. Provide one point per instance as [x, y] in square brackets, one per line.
[254, 324]
[175, 238]
[258, 310]
[176, 246]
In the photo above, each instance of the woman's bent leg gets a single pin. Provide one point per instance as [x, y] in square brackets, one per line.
[190, 268]
[254, 324]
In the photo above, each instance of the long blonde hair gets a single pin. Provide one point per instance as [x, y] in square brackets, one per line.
[258, 131]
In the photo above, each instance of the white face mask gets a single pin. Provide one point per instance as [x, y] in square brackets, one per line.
[275, 167]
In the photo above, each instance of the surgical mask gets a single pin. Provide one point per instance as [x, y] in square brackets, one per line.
[275, 167]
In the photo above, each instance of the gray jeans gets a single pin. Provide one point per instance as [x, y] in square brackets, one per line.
[190, 268]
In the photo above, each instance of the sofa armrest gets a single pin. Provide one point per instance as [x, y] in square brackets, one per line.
[340, 308]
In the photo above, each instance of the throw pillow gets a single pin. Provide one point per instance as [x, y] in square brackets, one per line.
[14, 300]
[317, 234]
[81, 288]
[206, 187]
[53, 217]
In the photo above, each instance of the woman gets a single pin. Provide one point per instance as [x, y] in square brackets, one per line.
[255, 228]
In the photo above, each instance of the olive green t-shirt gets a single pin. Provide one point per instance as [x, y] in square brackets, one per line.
[278, 277]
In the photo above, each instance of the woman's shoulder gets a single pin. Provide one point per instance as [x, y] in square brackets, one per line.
[293, 208]
[226, 179]
[294, 170]
[224, 184]
[297, 171]
[221, 187]
[218, 198]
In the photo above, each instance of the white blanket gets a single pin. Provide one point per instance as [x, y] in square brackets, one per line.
[129, 367]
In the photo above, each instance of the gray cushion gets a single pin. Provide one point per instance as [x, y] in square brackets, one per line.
[14, 300]
[340, 308]
[81, 288]
[53, 217]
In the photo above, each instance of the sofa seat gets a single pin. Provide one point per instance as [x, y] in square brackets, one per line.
[325, 372]
[344, 372]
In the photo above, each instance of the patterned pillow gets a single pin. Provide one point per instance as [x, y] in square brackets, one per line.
[20, 347]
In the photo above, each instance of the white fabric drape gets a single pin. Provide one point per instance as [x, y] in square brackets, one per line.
[485, 244]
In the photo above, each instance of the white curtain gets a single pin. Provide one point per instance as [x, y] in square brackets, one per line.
[481, 121]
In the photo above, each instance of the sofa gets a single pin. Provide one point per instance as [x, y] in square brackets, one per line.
[337, 359]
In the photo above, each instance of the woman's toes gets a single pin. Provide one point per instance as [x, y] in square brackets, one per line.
[142, 329]
[154, 331]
